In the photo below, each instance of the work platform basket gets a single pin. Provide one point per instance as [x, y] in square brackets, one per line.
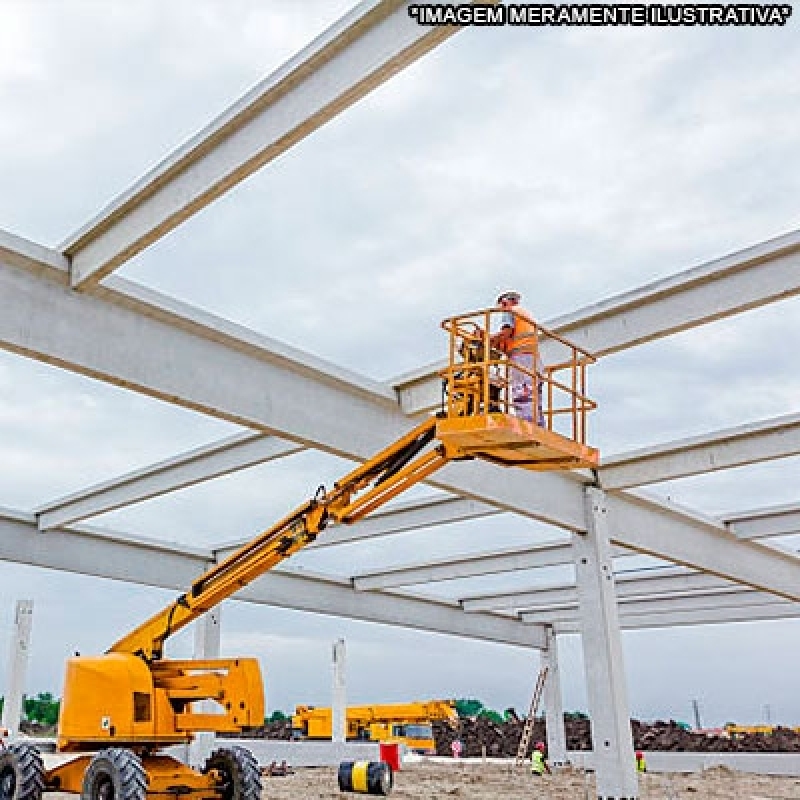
[487, 409]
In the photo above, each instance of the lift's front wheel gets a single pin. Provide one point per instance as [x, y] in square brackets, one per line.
[239, 775]
[21, 772]
[114, 774]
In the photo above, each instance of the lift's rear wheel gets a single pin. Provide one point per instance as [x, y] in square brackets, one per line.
[238, 771]
[114, 774]
[21, 772]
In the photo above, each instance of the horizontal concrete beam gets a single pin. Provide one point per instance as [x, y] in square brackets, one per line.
[637, 584]
[362, 50]
[656, 528]
[719, 616]
[733, 447]
[757, 524]
[755, 276]
[411, 516]
[200, 464]
[415, 515]
[133, 559]
[714, 600]
[510, 559]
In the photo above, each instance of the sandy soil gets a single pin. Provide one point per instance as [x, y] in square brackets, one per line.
[474, 781]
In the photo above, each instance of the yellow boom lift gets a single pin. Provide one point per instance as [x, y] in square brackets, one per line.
[119, 710]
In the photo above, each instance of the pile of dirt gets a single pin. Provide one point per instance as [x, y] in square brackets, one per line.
[502, 739]
[281, 729]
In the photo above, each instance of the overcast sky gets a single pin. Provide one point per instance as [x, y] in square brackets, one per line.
[569, 164]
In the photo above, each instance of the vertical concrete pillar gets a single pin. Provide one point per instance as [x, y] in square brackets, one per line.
[553, 705]
[602, 653]
[206, 645]
[17, 666]
[339, 702]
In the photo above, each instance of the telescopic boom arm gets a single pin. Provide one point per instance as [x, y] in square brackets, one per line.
[401, 465]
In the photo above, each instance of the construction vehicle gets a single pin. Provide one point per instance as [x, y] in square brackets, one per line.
[121, 709]
[733, 730]
[402, 723]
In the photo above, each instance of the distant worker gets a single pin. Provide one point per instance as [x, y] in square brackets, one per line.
[517, 338]
[641, 764]
[456, 748]
[539, 764]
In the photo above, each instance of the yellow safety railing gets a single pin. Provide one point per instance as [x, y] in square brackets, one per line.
[481, 378]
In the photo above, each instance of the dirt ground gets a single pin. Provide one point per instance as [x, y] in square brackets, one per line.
[476, 781]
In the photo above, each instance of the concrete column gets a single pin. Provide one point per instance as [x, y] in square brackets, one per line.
[17, 666]
[339, 702]
[553, 705]
[602, 654]
[206, 645]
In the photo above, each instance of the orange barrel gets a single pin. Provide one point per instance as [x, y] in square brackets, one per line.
[390, 753]
[366, 777]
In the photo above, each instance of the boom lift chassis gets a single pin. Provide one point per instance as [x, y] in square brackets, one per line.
[119, 710]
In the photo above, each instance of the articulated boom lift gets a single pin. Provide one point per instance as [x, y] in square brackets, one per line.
[119, 709]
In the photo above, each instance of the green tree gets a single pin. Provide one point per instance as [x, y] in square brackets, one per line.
[277, 716]
[42, 709]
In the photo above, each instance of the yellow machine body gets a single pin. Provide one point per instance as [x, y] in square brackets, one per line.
[166, 776]
[118, 700]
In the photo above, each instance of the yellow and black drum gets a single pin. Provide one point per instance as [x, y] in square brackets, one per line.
[366, 777]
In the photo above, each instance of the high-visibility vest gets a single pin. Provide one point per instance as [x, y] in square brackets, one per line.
[537, 762]
[641, 765]
[523, 331]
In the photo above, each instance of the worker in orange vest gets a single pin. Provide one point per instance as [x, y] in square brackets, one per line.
[517, 338]
[641, 764]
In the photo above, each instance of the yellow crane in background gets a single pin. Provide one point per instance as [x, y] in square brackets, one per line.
[402, 723]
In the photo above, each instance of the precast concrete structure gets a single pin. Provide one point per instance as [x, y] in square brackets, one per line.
[57, 303]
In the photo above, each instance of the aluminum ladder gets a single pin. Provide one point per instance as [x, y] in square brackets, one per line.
[527, 731]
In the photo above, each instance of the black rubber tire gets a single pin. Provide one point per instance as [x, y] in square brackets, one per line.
[241, 776]
[114, 774]
[21, 772]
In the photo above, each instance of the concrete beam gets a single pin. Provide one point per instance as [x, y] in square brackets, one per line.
[195, 466]
[733, 447]
[695, 602]
[711, 616]
[664, 530]
[757, 524]
[410, 516]
[511, 559]
[366, 47]
[671, 581]
[761, 274]
[133, 559]
[325, 595]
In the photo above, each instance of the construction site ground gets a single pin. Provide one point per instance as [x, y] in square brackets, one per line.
[474, 780]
